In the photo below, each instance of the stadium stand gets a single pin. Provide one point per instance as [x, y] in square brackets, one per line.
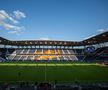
[56, 50]
[42, 54]
[53, 86]
[54, 54]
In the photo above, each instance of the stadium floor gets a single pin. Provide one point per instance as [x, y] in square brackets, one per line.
[51, 72]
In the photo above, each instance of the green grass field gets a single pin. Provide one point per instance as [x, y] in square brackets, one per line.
[50, 72]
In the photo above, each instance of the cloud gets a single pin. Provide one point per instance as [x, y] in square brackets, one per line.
[10, 23]
[44, 39]
[9, 26]
[13, 32]
[100, 30]
[4, 16]
[19, 14]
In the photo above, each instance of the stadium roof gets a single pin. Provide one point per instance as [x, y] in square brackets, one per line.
[100, 38]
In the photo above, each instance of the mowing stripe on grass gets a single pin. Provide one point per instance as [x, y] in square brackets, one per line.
[12, 64]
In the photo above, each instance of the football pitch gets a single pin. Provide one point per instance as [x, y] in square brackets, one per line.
[51, 72]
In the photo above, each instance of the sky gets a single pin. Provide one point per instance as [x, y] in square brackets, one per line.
[71, 20]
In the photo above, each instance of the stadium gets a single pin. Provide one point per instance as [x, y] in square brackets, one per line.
[57, 65]
[53, 44]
